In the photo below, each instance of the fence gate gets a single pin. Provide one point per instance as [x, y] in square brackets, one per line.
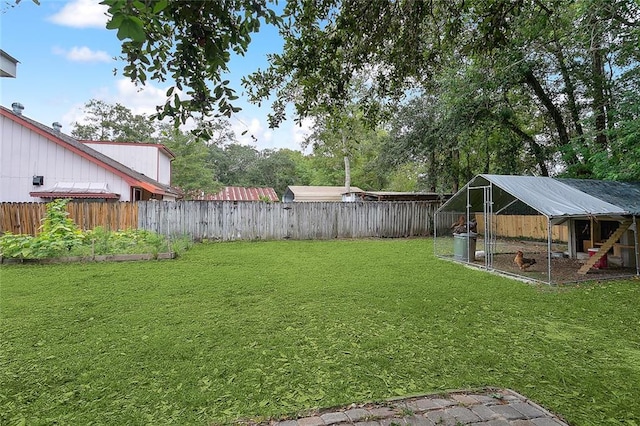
[489, 237]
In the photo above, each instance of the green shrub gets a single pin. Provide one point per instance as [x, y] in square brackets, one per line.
[60, 236]
[15, 246]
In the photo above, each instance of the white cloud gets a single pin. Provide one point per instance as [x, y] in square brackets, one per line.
[144, 99]
[81, 14]
[139, 99]
[299, 133]
[260, 136]
[83, 54]
[251, 127]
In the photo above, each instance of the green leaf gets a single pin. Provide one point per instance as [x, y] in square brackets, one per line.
[115, 22]
[160, 6]
[131, 28]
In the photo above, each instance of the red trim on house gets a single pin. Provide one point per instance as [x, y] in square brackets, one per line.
[129, 179]
[45, 194]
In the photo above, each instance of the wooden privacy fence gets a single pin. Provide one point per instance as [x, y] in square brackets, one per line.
[229, 220]
[509, 226]
[516, 226]
[26, 218]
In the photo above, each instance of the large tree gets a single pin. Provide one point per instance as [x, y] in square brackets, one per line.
[565, 71]
[190, 43]
[106, 122]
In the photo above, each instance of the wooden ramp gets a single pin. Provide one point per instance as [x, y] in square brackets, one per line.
[605, 247]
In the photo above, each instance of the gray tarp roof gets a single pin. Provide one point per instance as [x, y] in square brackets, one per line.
[622, 194]
[529, 194]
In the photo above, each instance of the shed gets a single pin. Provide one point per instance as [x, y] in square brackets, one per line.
[569, 202]
[400, 196]
[317, 193]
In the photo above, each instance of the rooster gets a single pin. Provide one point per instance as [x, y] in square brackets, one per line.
[522, 262]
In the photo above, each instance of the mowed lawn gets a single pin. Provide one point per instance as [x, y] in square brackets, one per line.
[266, 329]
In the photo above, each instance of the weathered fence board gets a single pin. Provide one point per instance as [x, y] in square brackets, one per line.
[26, 218]
[229, 220]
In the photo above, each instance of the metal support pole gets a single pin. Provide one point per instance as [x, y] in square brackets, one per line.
[467, 226]
[491, 240]
[435, 233]
[635, 243]
[488, 230]
[549, 238]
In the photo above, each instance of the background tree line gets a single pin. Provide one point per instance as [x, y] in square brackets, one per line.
[208, 164]
[446, 88]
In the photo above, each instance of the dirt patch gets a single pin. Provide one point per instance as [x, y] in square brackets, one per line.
[563, 269]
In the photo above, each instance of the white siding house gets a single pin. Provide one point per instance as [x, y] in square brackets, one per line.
[152, 160]
[39, 163]
[8, 65]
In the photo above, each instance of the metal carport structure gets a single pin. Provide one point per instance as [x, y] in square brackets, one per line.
[558, 200]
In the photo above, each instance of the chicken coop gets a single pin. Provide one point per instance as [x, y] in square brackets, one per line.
[542, 229]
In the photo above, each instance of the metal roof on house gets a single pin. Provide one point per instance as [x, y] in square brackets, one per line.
[239, 193]
[77, 190]
[131, 176]
[551, 197]
[318, 193]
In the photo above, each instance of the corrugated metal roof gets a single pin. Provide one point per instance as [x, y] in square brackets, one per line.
[319, 193]
[77, 190]
[239, 193]
[548, 196]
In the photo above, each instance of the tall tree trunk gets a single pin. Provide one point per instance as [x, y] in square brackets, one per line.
[455, 169]
[553, 112]
[347, 174]
[570, 91]
[599, 97]
[487, 157]
[431, 171]
[347, 164]
[535, 148]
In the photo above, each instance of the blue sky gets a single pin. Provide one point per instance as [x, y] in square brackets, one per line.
[65, 56]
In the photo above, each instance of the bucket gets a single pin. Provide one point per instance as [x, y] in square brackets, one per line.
[600, 264]
[464, 246]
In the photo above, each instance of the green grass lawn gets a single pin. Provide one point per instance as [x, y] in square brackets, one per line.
[253, 330]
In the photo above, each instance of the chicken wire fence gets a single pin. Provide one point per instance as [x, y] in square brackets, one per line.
[497, 239]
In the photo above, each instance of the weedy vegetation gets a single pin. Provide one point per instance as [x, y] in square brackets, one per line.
[60, 237]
